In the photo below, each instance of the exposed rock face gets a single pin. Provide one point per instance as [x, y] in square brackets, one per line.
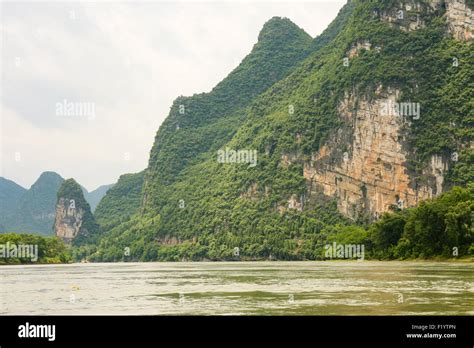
[168, 240]
[74, 222]
[408, 16]
[460, 20]
[370, 175]
[251, 193]
[69, 218]
[355, 49]
[364, 165]
[294, 202]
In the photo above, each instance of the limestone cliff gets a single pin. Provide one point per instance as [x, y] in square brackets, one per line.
[412, 15]
[68, 221]
[74, 222]
[460, 18]
[364, 165]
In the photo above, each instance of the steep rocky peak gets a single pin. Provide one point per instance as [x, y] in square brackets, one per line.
[73, 213]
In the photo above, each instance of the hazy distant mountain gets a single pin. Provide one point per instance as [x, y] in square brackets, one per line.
[33, 210]
[10, 195]
[94, 197]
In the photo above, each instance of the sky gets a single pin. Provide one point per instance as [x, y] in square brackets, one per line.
[85, 85]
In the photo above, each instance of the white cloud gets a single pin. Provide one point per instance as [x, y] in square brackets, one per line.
[130, 59]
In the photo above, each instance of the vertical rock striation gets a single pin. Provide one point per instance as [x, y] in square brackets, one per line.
[74, 222]
[364, 165]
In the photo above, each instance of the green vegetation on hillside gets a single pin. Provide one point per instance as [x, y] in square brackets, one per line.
[441, 227]
[121, 201]
[193, 181]
[438, 227]
[207, 121]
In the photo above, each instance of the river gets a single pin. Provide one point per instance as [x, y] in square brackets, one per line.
[240, 288]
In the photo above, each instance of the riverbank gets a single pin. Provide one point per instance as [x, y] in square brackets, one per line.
[18, 248]
[466, 259]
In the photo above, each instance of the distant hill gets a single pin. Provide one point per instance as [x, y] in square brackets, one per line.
[10, 195]
[94, 197]
[33, 210]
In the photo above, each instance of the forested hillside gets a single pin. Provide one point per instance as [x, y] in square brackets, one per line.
[357, 136]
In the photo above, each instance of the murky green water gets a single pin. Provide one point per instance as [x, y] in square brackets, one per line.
[236, 288]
